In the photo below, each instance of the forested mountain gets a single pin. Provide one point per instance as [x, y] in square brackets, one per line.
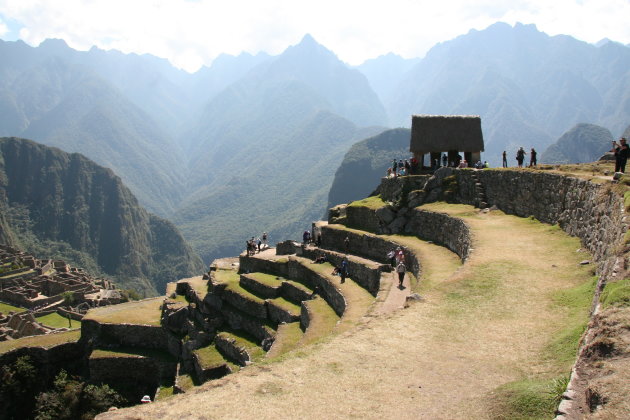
[65, 206]
[582, 143]
[366, 163]
[528, 87]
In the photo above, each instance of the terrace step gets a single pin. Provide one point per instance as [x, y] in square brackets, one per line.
[239, 347]
[266, 286]
[317, 319]
[281, 310]
[209, 363]
[295, 292]
[288, 337]
[245, 301]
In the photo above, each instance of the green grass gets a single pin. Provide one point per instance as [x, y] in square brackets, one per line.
[288, 306]
[48, 340]
[130, 352]
[267, 279]
[142, 312]
[527, 399]
[373, 203]
[55, 320]
[322, 323]
[245, 341]
[185, 382]
[226, 276]
[577, 301]
[6, 308]
[209, 357]
[616, 294]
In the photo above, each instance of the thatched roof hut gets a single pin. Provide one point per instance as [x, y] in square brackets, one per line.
[441, 133]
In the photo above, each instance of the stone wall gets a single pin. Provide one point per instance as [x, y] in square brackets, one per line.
[394, 189]
[141, 336]
[366, 245]
[326, 288]
[441, 229]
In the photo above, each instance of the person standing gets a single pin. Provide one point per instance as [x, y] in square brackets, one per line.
[532, 158]
[622, 151]
[520, 156]
[395, 167]
[343, 270]
[505, 159]
[265, 239]
[444, 160]
[400, 269]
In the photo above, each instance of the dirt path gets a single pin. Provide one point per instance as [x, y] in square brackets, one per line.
[484, 326]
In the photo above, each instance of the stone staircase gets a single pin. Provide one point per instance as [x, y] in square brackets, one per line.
[480, 200]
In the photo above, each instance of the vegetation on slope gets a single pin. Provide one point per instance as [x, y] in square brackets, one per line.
[63, 205]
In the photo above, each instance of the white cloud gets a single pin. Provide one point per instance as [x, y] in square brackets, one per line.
[193, 32]
[4, 29]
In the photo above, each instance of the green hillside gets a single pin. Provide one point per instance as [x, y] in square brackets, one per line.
[583, 143]
[63, 205]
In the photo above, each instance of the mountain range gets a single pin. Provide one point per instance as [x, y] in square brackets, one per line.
[251, 144]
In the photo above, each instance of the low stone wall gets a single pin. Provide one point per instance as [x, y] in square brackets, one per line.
[49, 361]
[265, 291]
[367, 277]
[228, 346]
[207, 373]
[255, 308]
[393, 189]
[442, 229]
[363, 218]
[294, 292]
[141, 336]
[368, 246]
[238, 320]
[252, 264]
[278, 315]
[326, 288]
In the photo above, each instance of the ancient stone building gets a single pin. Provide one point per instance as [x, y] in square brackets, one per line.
[452, 134]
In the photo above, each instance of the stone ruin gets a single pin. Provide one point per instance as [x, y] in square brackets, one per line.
[40, 285]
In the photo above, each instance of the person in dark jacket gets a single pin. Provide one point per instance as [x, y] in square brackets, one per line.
[622, 151]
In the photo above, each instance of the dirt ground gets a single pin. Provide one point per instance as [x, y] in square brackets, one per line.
[478, 326]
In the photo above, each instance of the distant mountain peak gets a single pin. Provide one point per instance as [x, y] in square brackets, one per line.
[54, 43]
[308, 39]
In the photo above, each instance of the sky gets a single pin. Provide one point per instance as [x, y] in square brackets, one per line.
[191, 33]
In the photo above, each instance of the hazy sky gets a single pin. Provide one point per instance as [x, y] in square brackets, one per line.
[193, 32]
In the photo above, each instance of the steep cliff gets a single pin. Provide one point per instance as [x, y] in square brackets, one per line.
[69, 204]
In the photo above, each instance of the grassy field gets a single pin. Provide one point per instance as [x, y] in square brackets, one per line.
[6, 308]
[493, 338]
[141, 312]
[55, 320]
[48, 340]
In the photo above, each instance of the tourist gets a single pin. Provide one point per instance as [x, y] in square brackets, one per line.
[265, 239]
[444, 160]
[306, 237]
[321, 259]
[400, 256]
[520, 156]
[395, 167]
[343, 269]
[486, 165]
[346, 243]
[392, 258]
[407, 167]
[463, 164]
[259, 243]
[146, 399]
[389, 172]
[532, 158]
[622, 151]
[458, 160]
[400, 269]
[505, 159]
[414, 165]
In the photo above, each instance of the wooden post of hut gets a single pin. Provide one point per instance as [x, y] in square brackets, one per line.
[453, 134]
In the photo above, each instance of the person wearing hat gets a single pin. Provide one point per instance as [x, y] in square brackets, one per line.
[622, 151]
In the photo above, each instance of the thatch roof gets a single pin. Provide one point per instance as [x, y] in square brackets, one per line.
[441, 133]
